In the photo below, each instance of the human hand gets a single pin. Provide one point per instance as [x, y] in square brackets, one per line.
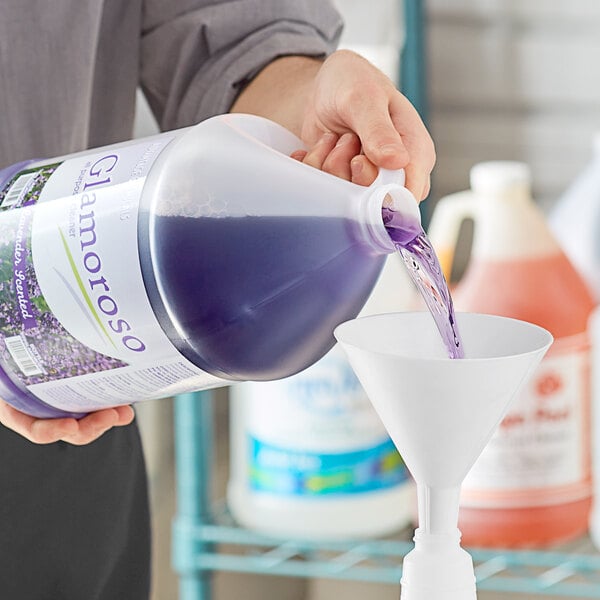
[350, 95]
[77, 432]
[339, 156]
[344, 94]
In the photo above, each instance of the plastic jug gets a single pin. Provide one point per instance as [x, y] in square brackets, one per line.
[179, 262]
[309, 456]
[532, 484]
[575, 221]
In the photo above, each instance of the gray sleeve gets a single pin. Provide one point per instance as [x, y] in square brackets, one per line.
[196, 55]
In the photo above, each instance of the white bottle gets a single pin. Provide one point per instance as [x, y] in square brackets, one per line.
[595, 439]
[310, 457]
[575, 221]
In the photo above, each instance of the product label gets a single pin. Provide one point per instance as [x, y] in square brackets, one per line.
[291, 472]
[317, 433]
[76, 326]
[540, 454]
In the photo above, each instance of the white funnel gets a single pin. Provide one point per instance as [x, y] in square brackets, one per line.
[440, 412]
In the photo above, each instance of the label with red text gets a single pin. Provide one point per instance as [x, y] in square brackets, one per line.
[540, 454]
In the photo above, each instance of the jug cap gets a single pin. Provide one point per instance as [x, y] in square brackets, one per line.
[498, 176]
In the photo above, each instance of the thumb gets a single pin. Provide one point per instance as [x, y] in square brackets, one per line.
[381, 142]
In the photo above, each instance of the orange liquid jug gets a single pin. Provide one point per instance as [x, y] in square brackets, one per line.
[532, 484]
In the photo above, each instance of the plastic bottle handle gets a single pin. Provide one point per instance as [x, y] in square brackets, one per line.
[387, 176]
[449, 214]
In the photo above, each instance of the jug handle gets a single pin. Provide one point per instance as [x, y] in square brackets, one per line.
[449, 214]
[388, 176]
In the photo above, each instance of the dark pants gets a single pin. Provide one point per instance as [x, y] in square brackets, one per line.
[74, 520]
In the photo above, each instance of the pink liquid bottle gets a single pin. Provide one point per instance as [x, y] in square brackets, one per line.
[531, 487]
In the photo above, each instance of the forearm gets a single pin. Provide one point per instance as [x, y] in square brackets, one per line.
[281, 91]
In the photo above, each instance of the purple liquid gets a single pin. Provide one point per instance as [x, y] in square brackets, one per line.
[256, 297]
[424, 268]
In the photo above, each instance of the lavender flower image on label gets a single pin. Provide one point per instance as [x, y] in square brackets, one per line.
[76, 326]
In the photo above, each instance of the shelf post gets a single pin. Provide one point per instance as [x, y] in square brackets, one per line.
[193, 463]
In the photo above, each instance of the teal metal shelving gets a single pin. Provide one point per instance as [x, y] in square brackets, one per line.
[205, 539]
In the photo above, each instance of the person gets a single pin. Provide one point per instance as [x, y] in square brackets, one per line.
[74, 517]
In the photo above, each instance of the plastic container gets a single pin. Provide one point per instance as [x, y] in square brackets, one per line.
[180, 262]
[532, 484]
[575, 221]
[309, 456]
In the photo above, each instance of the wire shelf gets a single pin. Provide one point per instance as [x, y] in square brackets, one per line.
[227, 547]
[206, 539]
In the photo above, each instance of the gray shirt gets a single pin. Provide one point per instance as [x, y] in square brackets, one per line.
[69, 69]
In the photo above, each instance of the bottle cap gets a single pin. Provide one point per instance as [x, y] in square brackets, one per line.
[498, 176]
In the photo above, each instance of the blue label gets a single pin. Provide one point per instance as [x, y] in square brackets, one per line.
[292, 472]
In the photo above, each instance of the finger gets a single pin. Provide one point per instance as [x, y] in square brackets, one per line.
[47, 431]
[414, 184]
[32, 429]
[92, 426]
[298, 155]
[427, 189]
[382, 150]
[97, 423]
[364, 172]
[319, 152]
[338, 161]
[420, 148]
[125, 415]
[381, 141]
[418, 180]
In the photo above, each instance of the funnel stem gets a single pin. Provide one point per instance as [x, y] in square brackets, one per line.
[438, 508]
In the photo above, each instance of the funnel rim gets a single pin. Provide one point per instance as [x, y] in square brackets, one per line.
[436, 359]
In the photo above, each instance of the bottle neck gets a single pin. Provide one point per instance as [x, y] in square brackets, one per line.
[403, 206]
[518, 195]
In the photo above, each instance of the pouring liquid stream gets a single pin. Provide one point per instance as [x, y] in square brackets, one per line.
[420, 259]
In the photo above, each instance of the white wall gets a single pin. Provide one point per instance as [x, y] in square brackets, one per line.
[375, 30]
[513, 79]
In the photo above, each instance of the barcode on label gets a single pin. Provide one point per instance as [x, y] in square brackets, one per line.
[17, 190]
[22, 355]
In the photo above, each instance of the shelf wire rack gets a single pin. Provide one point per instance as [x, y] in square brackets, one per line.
[206, 539]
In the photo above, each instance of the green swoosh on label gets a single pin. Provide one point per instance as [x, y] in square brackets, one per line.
[84, 293]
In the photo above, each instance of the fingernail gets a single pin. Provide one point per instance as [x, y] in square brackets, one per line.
[344, 139]
[389, 149]
[356, 166]
[328, 137]
[298, 155]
